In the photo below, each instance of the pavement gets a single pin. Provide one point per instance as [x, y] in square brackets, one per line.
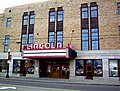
[68, 81]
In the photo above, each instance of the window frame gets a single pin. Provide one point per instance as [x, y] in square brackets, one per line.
[118, 7]
[93, 39]
[25, 20]
[60, 15]
[52, 16]
[6, 43]
[32, 19]
[8, 22]
[117, 67]
[60, 36]
[94, 9]
[30, 38]
[84, 41]
[52, 37]
[84, 11]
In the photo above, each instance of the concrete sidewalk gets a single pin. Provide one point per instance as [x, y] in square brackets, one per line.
[68, 81]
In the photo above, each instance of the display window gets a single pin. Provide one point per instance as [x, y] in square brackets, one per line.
[30, 67]
[16, 66]
[98, 68]
[83, 66]
[113, 68]
[3, 66]
[79, 67]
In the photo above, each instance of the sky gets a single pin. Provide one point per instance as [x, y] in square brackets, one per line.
[10, 3]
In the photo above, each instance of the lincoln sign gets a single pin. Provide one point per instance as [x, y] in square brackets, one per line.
[42, 46]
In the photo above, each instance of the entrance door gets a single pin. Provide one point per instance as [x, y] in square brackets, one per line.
[23, 68]
[89, 69]
[56, 69]
[42, 69]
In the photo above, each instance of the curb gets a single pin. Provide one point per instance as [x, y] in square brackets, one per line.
[61, 81]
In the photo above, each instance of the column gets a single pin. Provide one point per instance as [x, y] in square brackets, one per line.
[105, 69]
[36, 70]
[72, 69]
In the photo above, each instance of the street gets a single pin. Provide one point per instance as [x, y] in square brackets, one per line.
[28, 85]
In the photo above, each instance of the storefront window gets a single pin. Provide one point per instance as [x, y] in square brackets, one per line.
[113, 67]
[30, 68]
[98, 68]
[79, 67]
[16, 66]
[3, 65]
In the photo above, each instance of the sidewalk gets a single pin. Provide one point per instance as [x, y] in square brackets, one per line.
[68, 81]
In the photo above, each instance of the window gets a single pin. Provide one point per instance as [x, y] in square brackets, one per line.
[59, 36]
[94, 12]
[3, 66]
[84, 12]
[6, 44]
[94, 39]
[31, 37]
[32, 19]
[8, 24]
[51, 37]
[113, 67]
[16, 66]
[118, 5]
[119, 31]
[60, 15]
[85, 39]
[82, 67]
[79, 70]
[98, 68]
[25, 20]
[52, 16]
[24, 41]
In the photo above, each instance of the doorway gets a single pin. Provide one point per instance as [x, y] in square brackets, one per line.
[89, 69]
[56, 69]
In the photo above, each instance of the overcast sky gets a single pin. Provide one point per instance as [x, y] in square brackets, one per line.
[9, 3]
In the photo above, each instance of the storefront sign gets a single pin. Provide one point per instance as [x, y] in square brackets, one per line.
[43, 46]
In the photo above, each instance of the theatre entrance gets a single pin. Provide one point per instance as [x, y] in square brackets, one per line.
[54, 69]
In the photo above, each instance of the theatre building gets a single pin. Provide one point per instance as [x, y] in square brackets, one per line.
[70, 39]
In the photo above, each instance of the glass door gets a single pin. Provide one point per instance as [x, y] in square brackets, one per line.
[89, 69]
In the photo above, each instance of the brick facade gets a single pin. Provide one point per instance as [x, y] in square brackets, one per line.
[108, 20]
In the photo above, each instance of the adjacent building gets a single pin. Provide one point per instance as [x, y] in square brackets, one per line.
[75, 39]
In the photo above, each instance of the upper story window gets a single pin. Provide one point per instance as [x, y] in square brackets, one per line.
[24, 37]
[84, 12]
[95, 39]
[51, 37]
[118, 5]
[85, 39]
[25, 20]
[6, 44]
[59, 36]
[60, 16]
[52, 16]
[8, 23]
[32, 19]
[94, 11]
[30, 38]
